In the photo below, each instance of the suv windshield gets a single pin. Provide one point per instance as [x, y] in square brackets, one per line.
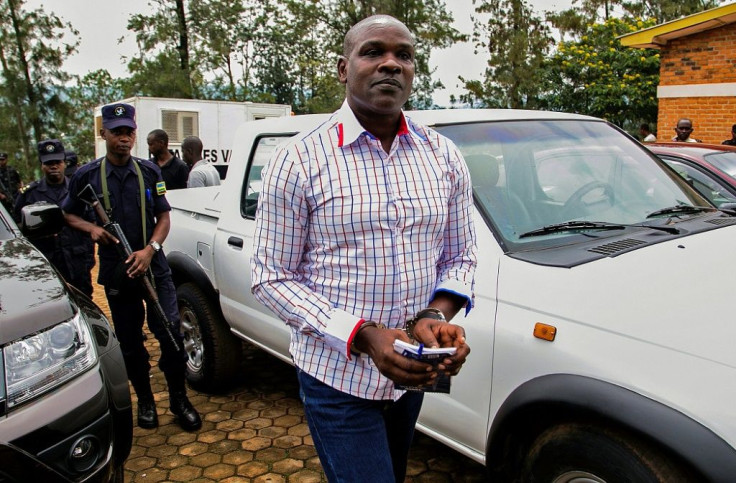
[528, 175]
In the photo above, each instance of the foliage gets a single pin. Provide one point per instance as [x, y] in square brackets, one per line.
[32, 53]
[517, 42]
[596, 75]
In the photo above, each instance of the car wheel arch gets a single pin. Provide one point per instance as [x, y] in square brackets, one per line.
[185, 269]
[547, 400]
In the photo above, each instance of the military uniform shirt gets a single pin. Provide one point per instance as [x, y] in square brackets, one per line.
[124, 193]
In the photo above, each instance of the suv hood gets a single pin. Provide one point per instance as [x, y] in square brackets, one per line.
[32, 294]
[675, 294]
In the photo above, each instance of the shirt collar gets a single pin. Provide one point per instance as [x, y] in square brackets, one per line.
[349, 129]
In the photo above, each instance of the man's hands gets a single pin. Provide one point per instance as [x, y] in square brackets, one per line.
[435, 333]
[138, 262]
[379, 345]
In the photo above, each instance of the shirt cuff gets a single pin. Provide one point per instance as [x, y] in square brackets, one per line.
[341, 329]
[458, 288]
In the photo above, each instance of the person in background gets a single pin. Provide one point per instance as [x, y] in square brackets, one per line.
[684, 131]
[174, 171]
[732, 141]
[71, 251]
[134, 194]
[71, 163]
[9, 183]
[201, 172]
[363, 224]
[646, 134]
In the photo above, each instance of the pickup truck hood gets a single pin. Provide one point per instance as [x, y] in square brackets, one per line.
[674, 294]
[32, 294]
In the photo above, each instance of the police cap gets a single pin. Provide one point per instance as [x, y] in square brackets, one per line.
[50, 150]
[118, 115]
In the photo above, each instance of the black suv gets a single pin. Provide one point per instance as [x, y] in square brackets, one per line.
[65, 410]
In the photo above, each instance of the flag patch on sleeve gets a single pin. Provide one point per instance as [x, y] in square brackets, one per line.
[161, 188]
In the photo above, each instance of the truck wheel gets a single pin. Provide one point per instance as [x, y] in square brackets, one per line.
[214, 354]
[583, 453]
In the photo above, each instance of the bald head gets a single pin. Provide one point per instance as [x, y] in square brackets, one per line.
[356, 30]
[191, 150]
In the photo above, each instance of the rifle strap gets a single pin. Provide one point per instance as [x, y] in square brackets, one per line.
[141, 191]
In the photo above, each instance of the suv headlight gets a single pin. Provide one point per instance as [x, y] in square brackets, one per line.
[46, 359]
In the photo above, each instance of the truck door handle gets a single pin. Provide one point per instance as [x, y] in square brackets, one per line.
[235, 241]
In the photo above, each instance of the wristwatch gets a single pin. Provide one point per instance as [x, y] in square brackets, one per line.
[428, 313]
[155, 245]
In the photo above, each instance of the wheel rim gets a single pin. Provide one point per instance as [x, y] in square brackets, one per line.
[192, 339]
[578, 477]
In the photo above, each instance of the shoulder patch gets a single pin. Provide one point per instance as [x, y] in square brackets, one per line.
[161, 188]
[29, 187]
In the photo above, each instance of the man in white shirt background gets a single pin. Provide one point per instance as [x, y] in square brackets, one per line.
[202, 173]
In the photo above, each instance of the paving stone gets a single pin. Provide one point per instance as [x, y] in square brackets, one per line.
[270, 478]
[185, 473]
[271, 432]
[242, 434]
[211, 436]
[219, 471]
[270, 454]
[237, 457]
[306, 476]
[141, 463]
[287, 466]
[252, 469]
[229, 425]
[256, 443]
[258, 423]
[287, 441]
[217, 416]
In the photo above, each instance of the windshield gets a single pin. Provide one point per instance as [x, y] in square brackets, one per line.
[725, 161]
[532, 174]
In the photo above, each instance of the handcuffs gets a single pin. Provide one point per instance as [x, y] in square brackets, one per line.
[428, 313]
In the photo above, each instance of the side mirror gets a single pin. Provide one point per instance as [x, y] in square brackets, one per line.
[41, 220]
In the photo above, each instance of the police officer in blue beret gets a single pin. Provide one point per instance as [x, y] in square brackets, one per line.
[133, 193]
[71, 251]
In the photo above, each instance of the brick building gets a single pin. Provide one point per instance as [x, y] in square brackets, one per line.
[697, 77]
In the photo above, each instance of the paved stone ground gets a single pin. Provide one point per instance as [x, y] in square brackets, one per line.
[256, 432]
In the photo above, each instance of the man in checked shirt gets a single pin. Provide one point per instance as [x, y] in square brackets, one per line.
[364, 223]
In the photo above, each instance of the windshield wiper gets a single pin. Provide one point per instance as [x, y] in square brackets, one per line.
[680, 210]
[591, 225]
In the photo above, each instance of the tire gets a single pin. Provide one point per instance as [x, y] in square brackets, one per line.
[214, 353]
[579, 453]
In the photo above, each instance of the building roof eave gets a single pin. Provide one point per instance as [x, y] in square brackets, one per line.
[658, 36]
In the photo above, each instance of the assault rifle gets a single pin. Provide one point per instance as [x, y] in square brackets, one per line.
[89, 196]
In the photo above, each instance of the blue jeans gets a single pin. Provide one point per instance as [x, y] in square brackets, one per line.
[359, 440]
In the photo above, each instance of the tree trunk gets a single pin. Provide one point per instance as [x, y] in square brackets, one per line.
[184, 47]
[31, 95]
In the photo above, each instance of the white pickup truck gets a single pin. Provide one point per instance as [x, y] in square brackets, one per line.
[603, 338]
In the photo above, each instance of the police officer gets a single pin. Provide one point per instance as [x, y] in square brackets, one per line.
[9, 183]
[71, 251]
[71, 163]
[133, 193]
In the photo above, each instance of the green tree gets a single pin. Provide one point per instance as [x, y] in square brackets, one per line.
[162, 67]
[94, 89]
[597, 76]
[32, 53]
[517, 42]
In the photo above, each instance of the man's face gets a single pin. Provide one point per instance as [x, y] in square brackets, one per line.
[119, 141]
[156, 146]
[683, 130]
[53, 171]
[379, 70]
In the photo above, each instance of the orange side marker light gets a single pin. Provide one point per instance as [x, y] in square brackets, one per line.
[545, 331]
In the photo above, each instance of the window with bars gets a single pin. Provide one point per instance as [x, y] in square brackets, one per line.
[180, 124]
